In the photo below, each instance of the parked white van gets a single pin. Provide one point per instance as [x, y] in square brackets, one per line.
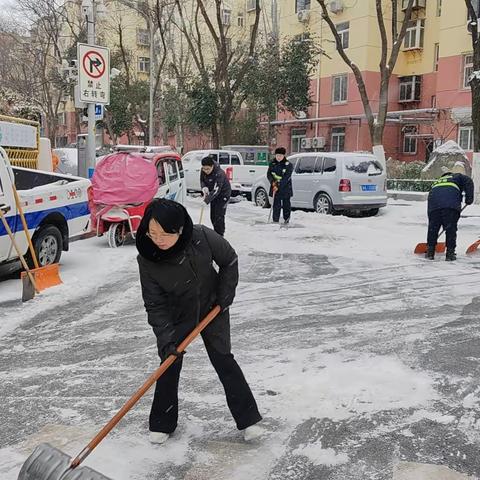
[332, 182]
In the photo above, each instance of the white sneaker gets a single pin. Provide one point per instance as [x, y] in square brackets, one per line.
[158, 437]
[252, 433]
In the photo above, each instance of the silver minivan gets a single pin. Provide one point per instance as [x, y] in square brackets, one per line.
[329, 182]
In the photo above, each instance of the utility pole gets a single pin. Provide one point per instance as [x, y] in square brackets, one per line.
[88, 9]
[152, 80]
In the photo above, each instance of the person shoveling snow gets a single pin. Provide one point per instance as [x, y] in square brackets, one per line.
[444, 207]
[179, 286]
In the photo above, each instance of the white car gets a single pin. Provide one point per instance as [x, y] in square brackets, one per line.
[329, 182]
[55, 207]
[241, 176]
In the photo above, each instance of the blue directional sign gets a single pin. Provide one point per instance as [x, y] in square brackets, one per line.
[98, 111]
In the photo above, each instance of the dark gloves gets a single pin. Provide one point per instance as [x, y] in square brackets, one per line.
[171, 349]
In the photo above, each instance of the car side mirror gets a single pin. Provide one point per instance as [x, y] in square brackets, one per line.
[4, 208]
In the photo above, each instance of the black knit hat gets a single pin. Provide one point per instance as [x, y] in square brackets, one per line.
[280, 151]
[174, 218]
[169, 214]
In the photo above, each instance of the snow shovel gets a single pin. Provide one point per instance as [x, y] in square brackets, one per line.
[201, 215]
[441, 246]
[473, 247]
[271, 207]
[28, 281]
[47, 276]
[49, 463]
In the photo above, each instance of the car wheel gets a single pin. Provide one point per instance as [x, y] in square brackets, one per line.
[117, 233]
[372, 212]
[323, 204]
[48, 245]
[261, 198]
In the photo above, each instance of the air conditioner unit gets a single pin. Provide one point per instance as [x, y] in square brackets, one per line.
[336, 6]
[318, 142]
[306, 143]
[417, 4]
[303, 16]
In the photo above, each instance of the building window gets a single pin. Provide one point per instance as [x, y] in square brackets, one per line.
[436, 56]
[226, 16]
[410, 88]
[301, 5]
[339, 88]
[228, 44]
[240, 21]
[465, 138]
[61, 119]
[439, 8]
[410, 140]
[343, 30]
[338, 139]
[144, 64]
[467, 70]
[297, 135]
[415, 35]
[143, 36]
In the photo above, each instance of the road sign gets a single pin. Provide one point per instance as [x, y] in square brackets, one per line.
[98, 111]
[93, 73]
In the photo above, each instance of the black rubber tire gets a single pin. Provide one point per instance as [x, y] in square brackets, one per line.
[323, 204]
[261, 198]
[48, 245]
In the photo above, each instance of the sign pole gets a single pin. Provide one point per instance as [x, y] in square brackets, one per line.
[92, 124]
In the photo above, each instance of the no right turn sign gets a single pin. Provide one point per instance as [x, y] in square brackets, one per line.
[94, 73]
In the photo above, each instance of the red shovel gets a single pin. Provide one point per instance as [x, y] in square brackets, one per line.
[441, 246]
[473, 247]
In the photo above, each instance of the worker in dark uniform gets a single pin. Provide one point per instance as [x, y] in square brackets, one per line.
[279, 175]
[216, 192]
[444, 207]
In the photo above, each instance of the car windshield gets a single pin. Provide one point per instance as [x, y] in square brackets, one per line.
[363, 165]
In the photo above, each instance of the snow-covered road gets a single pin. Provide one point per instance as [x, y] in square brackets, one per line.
[360, 355]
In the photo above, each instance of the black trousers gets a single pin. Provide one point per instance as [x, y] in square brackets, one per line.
[281, 202]
[240, 400]
[446, 218]
[218, 209]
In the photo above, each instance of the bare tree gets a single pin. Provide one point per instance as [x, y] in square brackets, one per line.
[208, 30]
[388, 58]
[36, 74]
[473, 7]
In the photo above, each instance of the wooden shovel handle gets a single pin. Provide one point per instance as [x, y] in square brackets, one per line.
[25, 227]
[17, 249]
[143, 389]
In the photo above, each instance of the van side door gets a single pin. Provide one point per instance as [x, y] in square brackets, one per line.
[302, 181]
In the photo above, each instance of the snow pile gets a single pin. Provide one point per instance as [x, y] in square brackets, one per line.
[449, 148]
[321, 456]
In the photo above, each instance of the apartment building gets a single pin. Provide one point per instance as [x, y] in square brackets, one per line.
[429, 98]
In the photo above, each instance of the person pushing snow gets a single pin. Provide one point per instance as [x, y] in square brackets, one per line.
[179, 287]
[444, 207]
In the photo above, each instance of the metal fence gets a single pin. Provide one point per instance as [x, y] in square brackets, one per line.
[409, 185]
[19, 156]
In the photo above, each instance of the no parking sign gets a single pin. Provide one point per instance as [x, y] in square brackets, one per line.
[94, 73]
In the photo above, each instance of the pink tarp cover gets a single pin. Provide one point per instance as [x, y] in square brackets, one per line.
[123, 178]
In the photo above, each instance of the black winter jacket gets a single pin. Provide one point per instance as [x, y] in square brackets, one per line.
[218, 185]
[448, 190]
[180, 289]
[281, 174]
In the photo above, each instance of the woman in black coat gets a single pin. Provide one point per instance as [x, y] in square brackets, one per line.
[180, 286]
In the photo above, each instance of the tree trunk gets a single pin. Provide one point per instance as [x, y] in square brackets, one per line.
[475, 86]
[215, 137]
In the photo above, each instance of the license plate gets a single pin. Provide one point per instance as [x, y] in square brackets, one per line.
[369, 188]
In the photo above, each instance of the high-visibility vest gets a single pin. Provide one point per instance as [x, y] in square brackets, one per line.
[445, 182]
